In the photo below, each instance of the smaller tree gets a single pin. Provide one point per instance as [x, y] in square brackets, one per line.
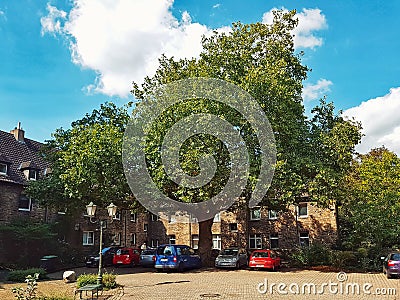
[371, 212]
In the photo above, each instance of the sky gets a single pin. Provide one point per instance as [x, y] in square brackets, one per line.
[61, 59]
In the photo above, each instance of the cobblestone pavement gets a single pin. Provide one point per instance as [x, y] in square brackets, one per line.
[246, 284]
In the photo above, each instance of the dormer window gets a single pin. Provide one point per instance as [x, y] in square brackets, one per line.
[32, 175]
[3, 168]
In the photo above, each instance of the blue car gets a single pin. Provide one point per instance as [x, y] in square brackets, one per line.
[176, 257]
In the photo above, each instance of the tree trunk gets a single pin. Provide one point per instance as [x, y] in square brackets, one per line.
[205, 242]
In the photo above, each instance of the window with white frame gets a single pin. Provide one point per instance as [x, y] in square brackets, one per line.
[172, 239]
[273, 241]
[304, 239]
[217, 218]
[255, 241]
[133, 239]
[195, 241]
[117, 215]
[302, 210]
[117, 239]
[216, 241]
[88, 238]
[24, 203]
[255, 213]
[233, 226]
[145, 227]
[3, 169]
[32, 174]
[133, 217]
[154, 217]
[272, 214]
[154, 243]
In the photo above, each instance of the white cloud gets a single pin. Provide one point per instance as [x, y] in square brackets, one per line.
[51, 23]
[380, 121]
[316, 91]
[310, 20]
[123, 39]
[217, 5]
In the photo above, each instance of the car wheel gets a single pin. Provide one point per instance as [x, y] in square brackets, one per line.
[159, 270]
[180, 267]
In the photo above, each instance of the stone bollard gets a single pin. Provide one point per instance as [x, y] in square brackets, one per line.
[69, 276]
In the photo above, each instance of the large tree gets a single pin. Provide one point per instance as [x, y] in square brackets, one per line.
[260, 59]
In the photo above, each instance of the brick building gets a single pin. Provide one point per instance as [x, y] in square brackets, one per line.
[20, 162]
[259, 227]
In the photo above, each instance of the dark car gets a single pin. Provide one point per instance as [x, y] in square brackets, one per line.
[107, 257]
[176, 257]
[147, 258]
[264, 259]
[126, 256]
[391, 265]
[231, 258]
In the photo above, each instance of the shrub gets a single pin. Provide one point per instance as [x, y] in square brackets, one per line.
[21, 275]
[109, 280]
[314, 255]
[29, 293]
[341, 259]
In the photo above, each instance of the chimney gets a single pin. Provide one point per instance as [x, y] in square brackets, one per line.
[18, 133]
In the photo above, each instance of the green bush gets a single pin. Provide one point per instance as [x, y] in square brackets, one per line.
[314, 255]
[20, 275]
[343, 259]
[108, 280]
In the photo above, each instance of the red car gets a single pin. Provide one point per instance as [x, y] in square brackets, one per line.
[266, 259]
[126, 256]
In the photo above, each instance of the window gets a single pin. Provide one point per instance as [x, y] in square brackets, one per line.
[145, 227]
[304, 239]
[25, 203]
[302, 210]
[3, 169]
[217, 218]
[154, 217]
[133, 217]
[117, 215]
[32, 175]
[172, 239]
[216, 241]
[88, 238]
[154, 243]
[272, 214]
[133, 239]
[233, 226]
[255, 213]
[195, 241]
[255, 241]
[273, 241]
[117, 239]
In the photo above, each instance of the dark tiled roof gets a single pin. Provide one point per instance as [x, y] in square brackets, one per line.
[17, 154]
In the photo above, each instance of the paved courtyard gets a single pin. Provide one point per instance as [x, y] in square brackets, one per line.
[245, 284]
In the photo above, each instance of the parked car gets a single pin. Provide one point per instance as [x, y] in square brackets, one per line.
[147, 258]
[107, 257]
[264, 259]
[391, 264]
[126, 256]
[176, 257]
[231, 258]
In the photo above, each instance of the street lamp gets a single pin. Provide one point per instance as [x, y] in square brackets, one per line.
[91, 210]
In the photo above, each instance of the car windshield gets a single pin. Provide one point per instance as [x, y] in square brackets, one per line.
[395, 256]
[166, 250]
[148, 252]
[122, 252]
[229, 252]
[260, 254]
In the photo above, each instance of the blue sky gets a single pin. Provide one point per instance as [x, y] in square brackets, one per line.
[61, 59]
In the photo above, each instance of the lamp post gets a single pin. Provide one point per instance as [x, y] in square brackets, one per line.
[91, 211]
